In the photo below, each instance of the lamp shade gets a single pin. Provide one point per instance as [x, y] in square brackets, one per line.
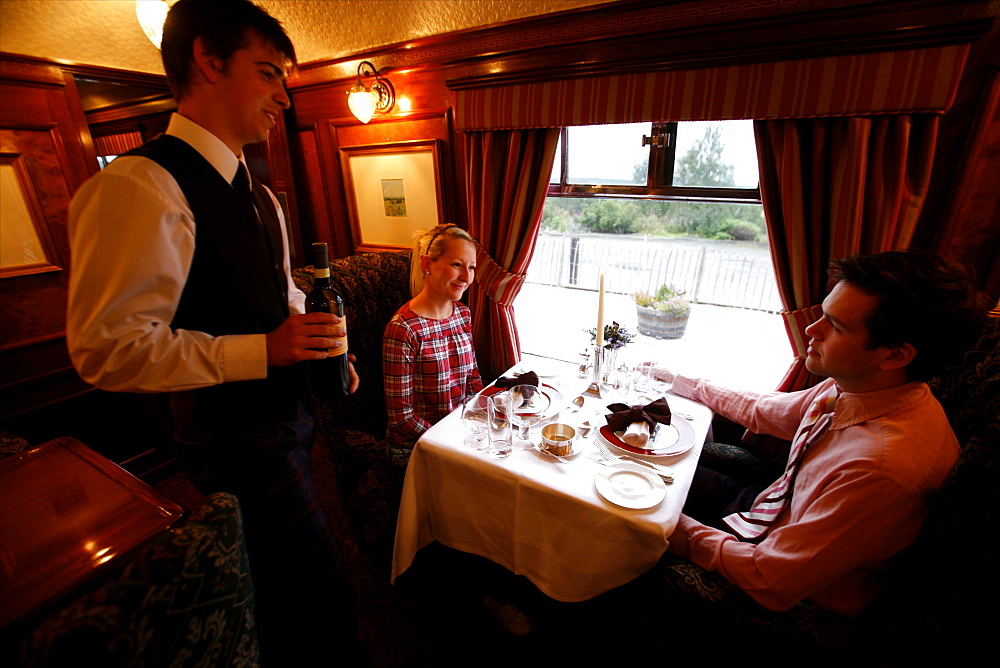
[362, 103]
[151, 15]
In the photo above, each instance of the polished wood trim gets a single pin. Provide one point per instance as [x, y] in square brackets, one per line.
[131, 112]
[680, 193]
[70, 515]
[648, 34]
[421, 114]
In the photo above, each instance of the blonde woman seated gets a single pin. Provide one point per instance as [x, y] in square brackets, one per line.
[428, 360]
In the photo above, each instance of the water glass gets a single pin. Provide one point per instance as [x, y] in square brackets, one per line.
[663, 382]
[528, 406]
[498, 424]
[642, 372]
[474, 419]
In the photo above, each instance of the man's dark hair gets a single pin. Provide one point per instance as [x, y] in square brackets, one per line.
[223, 25]
[922, 300]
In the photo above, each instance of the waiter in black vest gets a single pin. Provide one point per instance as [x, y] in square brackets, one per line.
[181, 284]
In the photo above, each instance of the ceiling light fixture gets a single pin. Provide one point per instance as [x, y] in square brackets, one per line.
[366, 102]
[151, 15]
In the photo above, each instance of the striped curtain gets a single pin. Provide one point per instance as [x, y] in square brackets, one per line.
[836, 187]
[890, 82]
[117, 144]
[507, 176]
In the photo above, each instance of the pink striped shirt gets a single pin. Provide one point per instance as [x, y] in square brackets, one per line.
[860, 496]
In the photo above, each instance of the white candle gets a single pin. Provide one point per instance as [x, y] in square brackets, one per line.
[600, 314]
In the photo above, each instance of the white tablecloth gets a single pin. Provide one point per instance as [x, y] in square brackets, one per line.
[533, 515]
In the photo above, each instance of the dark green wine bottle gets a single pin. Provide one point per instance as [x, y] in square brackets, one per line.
[330, 377]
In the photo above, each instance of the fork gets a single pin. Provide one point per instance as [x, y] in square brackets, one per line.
[661, 471]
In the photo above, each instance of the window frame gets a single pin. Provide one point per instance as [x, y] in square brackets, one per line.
[659, 177]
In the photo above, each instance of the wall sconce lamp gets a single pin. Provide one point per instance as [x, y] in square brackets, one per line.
[151, 15]
[365, 102]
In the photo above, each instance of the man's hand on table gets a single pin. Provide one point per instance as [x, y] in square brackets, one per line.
[659, 372]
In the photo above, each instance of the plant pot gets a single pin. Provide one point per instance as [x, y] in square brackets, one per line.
[659, 324]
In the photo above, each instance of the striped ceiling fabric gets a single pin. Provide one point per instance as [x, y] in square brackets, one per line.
[922, 80]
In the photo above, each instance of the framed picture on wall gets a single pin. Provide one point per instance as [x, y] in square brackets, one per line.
[393, 190]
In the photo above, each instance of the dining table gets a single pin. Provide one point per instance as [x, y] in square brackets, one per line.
[561, 523]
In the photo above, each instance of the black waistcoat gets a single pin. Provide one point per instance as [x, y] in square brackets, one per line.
[236, 285]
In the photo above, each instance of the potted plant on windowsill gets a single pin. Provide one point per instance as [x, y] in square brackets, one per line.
[664, 315]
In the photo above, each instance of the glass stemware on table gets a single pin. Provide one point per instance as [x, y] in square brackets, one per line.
[498, 424]
[528, 404]
[474, 419]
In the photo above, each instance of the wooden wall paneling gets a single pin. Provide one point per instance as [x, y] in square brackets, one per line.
[42, 128]
[313, 208]
[323, 123]
[331, 186]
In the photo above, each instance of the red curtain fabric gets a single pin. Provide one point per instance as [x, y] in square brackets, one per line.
[889, 82]
[507, 176]
[836, 187]
[117, 144]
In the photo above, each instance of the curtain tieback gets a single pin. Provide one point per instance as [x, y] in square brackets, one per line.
[499, 284]
[796, 323]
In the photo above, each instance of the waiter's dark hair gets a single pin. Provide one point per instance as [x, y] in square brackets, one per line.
[223, 25]
[922, 300]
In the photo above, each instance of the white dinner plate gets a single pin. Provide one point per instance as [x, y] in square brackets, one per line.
[630, 486]
[670, 440]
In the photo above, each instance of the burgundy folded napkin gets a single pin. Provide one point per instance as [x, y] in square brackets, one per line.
[527, 378]
[622, 415]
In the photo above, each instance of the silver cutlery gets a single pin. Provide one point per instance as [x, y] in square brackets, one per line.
[554, 456]
[661, 471]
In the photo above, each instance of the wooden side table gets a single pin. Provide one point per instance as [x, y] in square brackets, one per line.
[69, 514]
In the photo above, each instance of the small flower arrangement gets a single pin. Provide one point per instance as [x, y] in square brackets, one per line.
[615, 336]
[668, 299]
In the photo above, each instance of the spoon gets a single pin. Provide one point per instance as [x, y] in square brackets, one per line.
[555, 456]
[577, 404]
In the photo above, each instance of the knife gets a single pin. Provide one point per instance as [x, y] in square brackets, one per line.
[660, 470]
[667, 475]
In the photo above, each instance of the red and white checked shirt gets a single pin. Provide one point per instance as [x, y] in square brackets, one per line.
[429, 367]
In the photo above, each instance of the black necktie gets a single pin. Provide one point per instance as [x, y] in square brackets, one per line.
[269, 226]
[241, 183]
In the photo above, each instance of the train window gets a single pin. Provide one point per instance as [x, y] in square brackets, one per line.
[689, 161]
[695, 224]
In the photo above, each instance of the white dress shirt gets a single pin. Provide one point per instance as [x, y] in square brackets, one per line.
[132, 239]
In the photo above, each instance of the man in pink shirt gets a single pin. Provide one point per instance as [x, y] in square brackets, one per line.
[860, 486]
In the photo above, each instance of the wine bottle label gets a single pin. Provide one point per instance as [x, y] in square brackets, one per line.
[321, 273]
[341, 347]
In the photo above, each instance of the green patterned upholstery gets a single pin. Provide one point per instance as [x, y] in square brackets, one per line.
[186, 600]
[369, 472]
[944, 584]
[948, 579]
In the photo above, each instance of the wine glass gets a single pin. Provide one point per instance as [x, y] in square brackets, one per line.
[474, 419]
[527, 409]
[660, 382]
